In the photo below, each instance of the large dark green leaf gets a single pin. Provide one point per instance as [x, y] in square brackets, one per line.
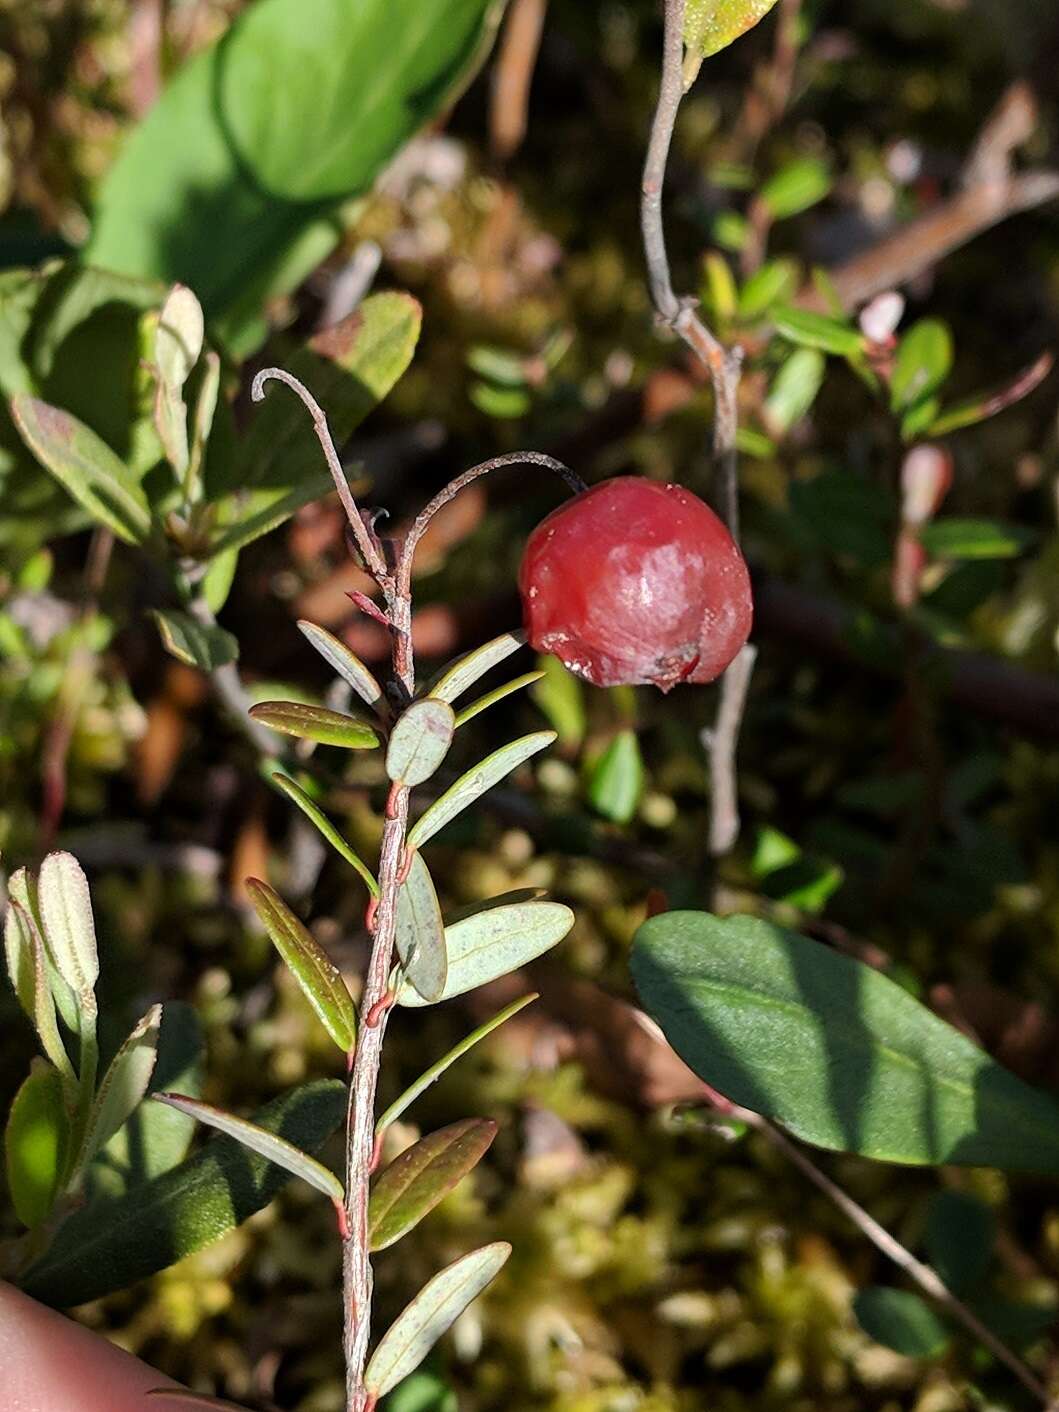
[114, 1243]
[233, 181]
[837, 1052]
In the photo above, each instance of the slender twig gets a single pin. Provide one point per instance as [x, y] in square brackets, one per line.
[724, 366]
[926, 1278]
[228, 687]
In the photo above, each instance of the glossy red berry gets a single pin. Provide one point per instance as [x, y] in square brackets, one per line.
[636, 582]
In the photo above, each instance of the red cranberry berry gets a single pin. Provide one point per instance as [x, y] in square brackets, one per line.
[636, 582]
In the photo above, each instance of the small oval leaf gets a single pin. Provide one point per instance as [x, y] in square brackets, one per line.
[266, 1144]
[35, 1144]
[124, 1084]
[498, 694]
[490, 944]
[431, 1075]
[617, 779]
[196, 644]
[475, 783]
[346, 663]
[178, 339]
[317, 816]
[420, 932]
[900, 1320]
[317, 723]
[435, 1309]
[320, 980]
[465, 671]
[413, 1184]
[420, 741]
[69, 927]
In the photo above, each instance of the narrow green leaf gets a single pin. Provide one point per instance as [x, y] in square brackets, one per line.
[616, 782]
[983, 405]
[423, 1175]
[475, 783]
[320, 979]
[921, 365]
[34, 975]
[317, 723]
[114, 1243]
[431, 1075]
[953, 538]
[796, 187]
[839, 1053]
[194, 643]
[775, 282]
[434, 1310]
[561, 696]
[124, 1084]
[902, 1321]
[69, 927]
[420, 741]
[420, 933]
[266, 1144]
[18, 941]
[489, 944]
[811, 330]
[346, 663]
[498, 694]
[85, 466]
[794, 388]
[35, 1144]
[422, 1392]
[312, 812]
[455, 679]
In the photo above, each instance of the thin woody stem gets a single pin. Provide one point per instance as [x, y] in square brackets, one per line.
[724, 367]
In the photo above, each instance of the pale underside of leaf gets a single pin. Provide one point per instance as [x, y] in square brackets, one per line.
[344, 662]
[69, 927]
[420, 932]
[265, 1144]
[420, 741]
[125, 1083]
[475, 783]
[435, 1309]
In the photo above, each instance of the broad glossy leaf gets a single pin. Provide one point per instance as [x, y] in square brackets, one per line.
[320, 979]
[420, 741]
[85, 466]
[710, 25]
[318, 723]
[462, 674]
[312, 812]
[812, 330]
[434, 1310]
[431, 1075]
[475, 783]
[498, 694]
[194, 643]
[424, 1174]
[837, 1052]
[420, 932]
[279, 466]
[69, 927]
[35, 1144]
[155, 1138]
[113, 1243]
[903, 1321]
[295, 110]
[125, 1084]
[260, 1140]
[490, 944]
[616, 782]
[341, 660]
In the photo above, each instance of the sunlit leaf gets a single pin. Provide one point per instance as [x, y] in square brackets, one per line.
[69, 927]
[922, 363]
[561, 696]
[435, 1309]
[489, 944]
[420, 740]
[161, 1221]
[775, 282]
[319, 723]
[85, 466]
[341, 660]
[125, 1083]
[794, 388]
[319, 978]
[431, 1075]
[617, 779]
[424, 1174]
[456, 678]
[841, 1055]
[35, 1144]
[312, 812]
[178, 338]
[420, 932]
[476, 782]
[266, 1144]
[196, 644]
[711, 25]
